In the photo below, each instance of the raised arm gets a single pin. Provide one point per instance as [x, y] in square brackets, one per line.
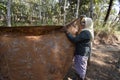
[84, 35]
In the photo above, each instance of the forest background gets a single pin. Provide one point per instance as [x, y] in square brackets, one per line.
[14, 13]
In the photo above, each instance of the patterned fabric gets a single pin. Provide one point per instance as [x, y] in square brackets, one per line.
[80, 65]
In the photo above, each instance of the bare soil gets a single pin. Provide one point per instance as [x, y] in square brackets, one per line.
[105, 62]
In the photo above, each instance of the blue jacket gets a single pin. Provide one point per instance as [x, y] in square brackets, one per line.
[82, 42]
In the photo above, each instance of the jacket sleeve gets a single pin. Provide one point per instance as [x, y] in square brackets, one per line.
[81, 37]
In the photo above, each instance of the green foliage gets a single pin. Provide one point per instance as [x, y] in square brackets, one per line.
[38, 12]
[100, 12]
[3, 9]
[43, 11]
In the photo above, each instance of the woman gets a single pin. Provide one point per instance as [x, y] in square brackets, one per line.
[82, 43]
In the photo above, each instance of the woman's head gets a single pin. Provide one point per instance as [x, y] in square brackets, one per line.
[87, 24]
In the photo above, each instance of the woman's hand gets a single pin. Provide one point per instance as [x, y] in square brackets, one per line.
[74, 30]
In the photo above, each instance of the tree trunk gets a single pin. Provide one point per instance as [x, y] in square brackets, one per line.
[77, 10]
[108, 12]
[9, 13]
[65, 12]
[91, 8]
[40, 17]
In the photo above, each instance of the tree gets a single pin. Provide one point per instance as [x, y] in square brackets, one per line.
[9, 13]
[37, 12]
[91, 8]
[77, 10]
[108, 11]
[65, 11]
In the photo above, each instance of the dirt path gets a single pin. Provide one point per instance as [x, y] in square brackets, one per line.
[104, 63]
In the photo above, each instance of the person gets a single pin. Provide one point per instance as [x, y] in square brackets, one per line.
[82, 43]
